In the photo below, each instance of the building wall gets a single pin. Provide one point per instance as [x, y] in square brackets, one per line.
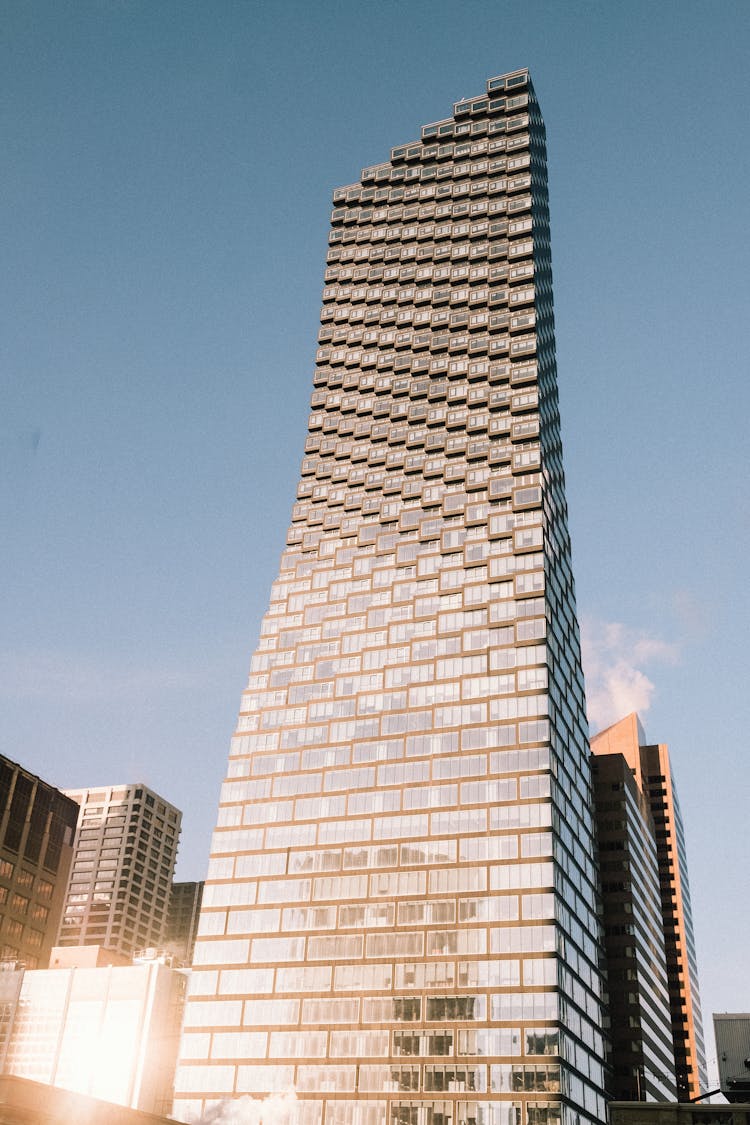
[651, 769]
[37, 825]
[125, 853]
[682, 966]
[182, 920]
[399, 919]
[642, 1065]
[110, 1033]
[732, 1031]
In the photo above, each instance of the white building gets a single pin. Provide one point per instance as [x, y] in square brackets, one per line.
[110, 1033]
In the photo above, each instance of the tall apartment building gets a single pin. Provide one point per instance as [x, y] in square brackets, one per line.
[641, 1064]
[37, 826]
[125, 852]
[399, 920]
[652, 772]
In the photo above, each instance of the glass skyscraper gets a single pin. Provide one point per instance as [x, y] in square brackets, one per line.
[399, 922]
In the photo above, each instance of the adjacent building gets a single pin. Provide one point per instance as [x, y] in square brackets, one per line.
[400, 916]
[125, 852]
[109, 1033]
[182, 920]
[732, 1031]
[652, 773]
[37, 826]
[641, 1063]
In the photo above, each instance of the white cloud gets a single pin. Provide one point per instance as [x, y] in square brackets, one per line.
[276, 1109]
[614, 659]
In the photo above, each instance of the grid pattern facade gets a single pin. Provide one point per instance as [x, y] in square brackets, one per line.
[37, 826]
[125, 853]
[399, 920]
[642, 1065]
[651, 768]
[682, 965]
[111, 1033]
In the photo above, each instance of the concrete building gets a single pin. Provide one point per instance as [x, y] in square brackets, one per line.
[400, 915]
[109, 1033]
[125, 852]
[652, 772]
[641, 1063]
[37, 826]
[732, 1031]
[182, 920]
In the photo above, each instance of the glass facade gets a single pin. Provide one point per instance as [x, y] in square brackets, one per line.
[109, 1033]
[400, 917]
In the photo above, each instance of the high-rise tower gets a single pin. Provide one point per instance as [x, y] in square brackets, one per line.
[399, 921]
[652, 773]
[641, 1064]
[124, 859]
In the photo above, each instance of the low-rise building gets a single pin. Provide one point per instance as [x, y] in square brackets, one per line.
[109, 1033]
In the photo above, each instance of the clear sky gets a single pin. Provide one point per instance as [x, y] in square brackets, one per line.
[167, 173]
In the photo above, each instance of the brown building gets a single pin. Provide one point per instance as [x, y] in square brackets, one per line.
[642, 1053]
[652, 773]
[37, 827]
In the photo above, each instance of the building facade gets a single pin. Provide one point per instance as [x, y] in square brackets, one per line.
[400, 917]
[641, 1064]
[732, 1033]
[109, 1033]
[125, 852]
[182, 920]
[37, 827]
[652, 772]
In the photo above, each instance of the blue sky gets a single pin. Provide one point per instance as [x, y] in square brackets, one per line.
[166, 188]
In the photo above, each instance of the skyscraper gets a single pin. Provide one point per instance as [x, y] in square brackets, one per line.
[652, 772]
[399, 921]
[125, 852]
[641, 1065]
